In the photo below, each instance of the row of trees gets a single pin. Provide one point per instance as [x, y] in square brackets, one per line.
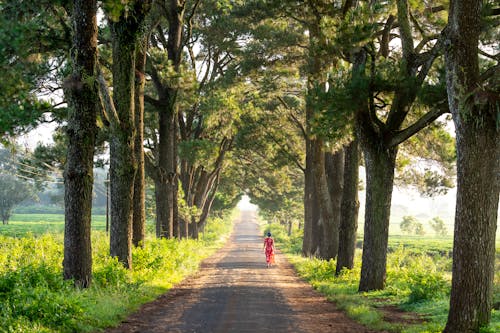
[278, 98]
[376, 77]
[411, 225]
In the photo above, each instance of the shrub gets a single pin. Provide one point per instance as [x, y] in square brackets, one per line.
[427, 286]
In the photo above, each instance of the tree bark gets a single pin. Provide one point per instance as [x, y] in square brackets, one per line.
[334, 170]
[349, 208]
[307, 242]
[380, 163]
[123, 165]
[478, 174]
[82, 94]
[167, 162]
[167, 153]
[139, 217]
[122, 162]
[313, 229]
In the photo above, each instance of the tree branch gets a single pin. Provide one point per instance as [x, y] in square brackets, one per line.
[424, 42]
[294, 119]
[286, 152]
[108, 109]
[425, 120]
[405, 29]
[427, 59]
[384, 43]
[490, 72]
[157, 81]
[152, 101]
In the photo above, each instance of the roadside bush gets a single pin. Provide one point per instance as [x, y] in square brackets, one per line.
[38, 294]
[109, 272]
[426, 286]
[34, 297]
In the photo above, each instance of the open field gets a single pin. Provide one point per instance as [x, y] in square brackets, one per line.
[38, 224]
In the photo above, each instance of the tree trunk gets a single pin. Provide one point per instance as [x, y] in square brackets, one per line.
[478, 174]
[166, 165]
[208, 205]
[380, 163]
[167, 155]
[123, 166]
[307, 241]
[312, 222]
[349, 208]
[330, 237]
[139, 217]
[82, 96]
[334, 168]
[122, 161]
[175, 186]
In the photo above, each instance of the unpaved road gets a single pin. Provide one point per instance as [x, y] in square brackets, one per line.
[235, 292]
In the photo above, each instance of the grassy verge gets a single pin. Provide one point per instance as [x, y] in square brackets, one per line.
[416, 298]
[35, 298]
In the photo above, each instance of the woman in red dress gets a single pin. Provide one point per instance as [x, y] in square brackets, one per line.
[269, 249]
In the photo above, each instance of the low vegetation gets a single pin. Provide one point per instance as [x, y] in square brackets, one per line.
[418, 283]
[35, 298]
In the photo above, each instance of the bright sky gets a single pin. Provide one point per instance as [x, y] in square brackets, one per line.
[41, 134]
[245, 204]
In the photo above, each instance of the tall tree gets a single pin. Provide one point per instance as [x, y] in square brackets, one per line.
[162, 164]
[81, 93]
[473, 100]
[380, 138]
[139, 214]
[125, 23]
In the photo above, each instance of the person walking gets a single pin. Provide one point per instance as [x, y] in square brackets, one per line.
[269, 249]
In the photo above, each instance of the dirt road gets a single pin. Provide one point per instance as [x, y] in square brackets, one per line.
[235, 292]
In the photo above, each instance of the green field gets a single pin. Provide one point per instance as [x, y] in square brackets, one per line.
[38, 224]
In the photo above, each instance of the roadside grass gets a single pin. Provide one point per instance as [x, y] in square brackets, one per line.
[35, 298]
[417, 286]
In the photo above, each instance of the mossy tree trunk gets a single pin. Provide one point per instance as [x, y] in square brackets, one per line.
[166, 159]
[380, 163]
[126, 33]
[308, 247]
[139, 215]
[334, 170]
[478, 171]
[82, 95]
[349, 208]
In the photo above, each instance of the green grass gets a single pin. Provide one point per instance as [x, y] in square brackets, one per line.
[418, 281]
[35, 298]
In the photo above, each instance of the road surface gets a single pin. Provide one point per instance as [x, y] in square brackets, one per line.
[234, 292]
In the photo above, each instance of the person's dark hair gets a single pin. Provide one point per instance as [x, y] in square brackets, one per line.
[268, 234]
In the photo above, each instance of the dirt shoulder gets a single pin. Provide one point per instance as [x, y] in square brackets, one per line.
[234, 291]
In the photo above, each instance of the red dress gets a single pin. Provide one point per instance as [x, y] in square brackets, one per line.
[269, 249]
